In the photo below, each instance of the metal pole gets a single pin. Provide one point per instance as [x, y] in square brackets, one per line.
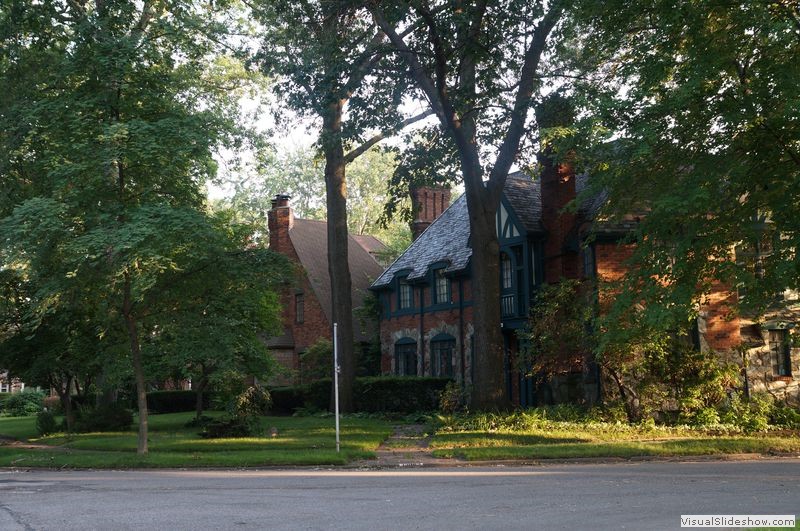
[336, 380]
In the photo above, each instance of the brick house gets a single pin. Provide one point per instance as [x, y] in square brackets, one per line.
[307, 305]
[425, 295]
[9, 384]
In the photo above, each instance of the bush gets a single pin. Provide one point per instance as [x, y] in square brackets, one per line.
[173, 401]
[112, 417]
[199, 422]
[376, 394]
[46, 423]
[23, 404]
[785, 417]
[453, 399]
[749, 415]
[253, 401]
[316, 362]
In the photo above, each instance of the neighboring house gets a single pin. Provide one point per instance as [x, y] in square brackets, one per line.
[426, 297]
[10, 385]
[307, 306]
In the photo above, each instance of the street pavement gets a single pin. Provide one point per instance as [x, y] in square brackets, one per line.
[627, 495]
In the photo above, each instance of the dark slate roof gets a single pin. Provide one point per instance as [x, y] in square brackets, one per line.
[447, 239]
[525, 196]
[310, 241]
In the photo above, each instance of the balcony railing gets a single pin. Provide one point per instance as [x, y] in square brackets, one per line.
[508, 305]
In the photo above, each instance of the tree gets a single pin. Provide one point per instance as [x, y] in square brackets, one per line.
[325, 55]
[700, 99]
[478, 65]
[299, 173]
[111, 114]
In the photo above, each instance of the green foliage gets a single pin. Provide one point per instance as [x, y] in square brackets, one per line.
[558, 334]
[110, 417]
[23, 404]
[317, 361]
[46, 423]
[785, 417]
[371, 394]
[253, 401]
[700, 102]
[751, 415]
[454, 399]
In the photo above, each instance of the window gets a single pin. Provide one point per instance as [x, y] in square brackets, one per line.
[506, 272]
[5, 387]
[406, 296]
[299, 308]
[442, 287]
[405, 357]
[780, 352]
[442, 348]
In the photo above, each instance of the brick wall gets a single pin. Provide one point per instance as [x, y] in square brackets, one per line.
[315, 323]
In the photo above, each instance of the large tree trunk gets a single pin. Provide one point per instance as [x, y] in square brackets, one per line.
[64, 389]
[488, 387]
[138, 366]
[338, 264]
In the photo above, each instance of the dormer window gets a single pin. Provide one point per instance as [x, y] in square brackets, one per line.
[404, 294]
[441, 287]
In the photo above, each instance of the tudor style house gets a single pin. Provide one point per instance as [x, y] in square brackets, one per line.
[307, 306]
[426, 322]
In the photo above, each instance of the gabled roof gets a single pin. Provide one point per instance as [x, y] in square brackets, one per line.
[589, 211]
[525, 197]
[447, 238]
[310, 241]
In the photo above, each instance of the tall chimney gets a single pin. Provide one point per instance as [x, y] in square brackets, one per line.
[427, 203]
[280, 219]
[558, 189]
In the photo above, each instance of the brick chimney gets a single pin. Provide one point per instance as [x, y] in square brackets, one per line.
[561, 246]
[280, 219]
[427, 203]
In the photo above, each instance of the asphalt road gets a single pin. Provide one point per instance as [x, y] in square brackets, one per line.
[640, 496]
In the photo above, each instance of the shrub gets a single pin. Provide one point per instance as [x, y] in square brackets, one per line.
[708, 416]
[453, 399]
[53, 405]
[749, 415]
[785, 417]
[374, 394]
[317, 361]
[112, 417]
[398, 394]
[46, 423]
[23, 404]
[253, 401]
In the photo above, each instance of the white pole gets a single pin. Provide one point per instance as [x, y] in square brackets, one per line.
[336, 380]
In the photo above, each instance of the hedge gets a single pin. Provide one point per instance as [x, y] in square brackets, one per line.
[174, 401]
[396, 394]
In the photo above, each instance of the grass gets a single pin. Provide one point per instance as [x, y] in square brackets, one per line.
[298, 441]
[550, 439]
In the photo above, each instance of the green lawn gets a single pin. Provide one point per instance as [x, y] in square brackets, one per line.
[298, 441]
[560, 440]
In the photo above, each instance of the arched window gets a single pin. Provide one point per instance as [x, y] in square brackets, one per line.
[405, 357]
[442, 348]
